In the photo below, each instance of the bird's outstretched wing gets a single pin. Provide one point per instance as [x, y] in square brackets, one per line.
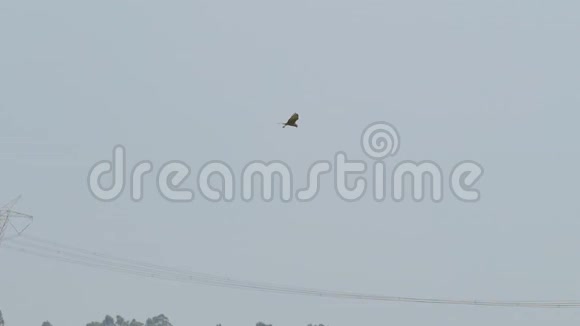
[293, 119]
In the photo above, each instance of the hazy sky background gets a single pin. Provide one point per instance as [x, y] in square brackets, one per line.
[491, 81]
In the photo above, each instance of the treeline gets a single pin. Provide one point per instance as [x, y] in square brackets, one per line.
[160, 320]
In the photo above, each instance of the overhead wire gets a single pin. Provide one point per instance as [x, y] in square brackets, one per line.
[52, 250]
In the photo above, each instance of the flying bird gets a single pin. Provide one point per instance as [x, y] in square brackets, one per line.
[292, 121]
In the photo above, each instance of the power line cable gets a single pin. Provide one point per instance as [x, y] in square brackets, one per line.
[65, 253]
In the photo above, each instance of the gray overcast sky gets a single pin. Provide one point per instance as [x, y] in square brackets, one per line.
[491, 81]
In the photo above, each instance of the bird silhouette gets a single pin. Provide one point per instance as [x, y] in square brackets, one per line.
[292, 121]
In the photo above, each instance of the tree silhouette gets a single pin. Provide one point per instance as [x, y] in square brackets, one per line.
[160, 320]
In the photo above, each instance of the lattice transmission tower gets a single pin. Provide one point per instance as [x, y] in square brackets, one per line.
[11, 220]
